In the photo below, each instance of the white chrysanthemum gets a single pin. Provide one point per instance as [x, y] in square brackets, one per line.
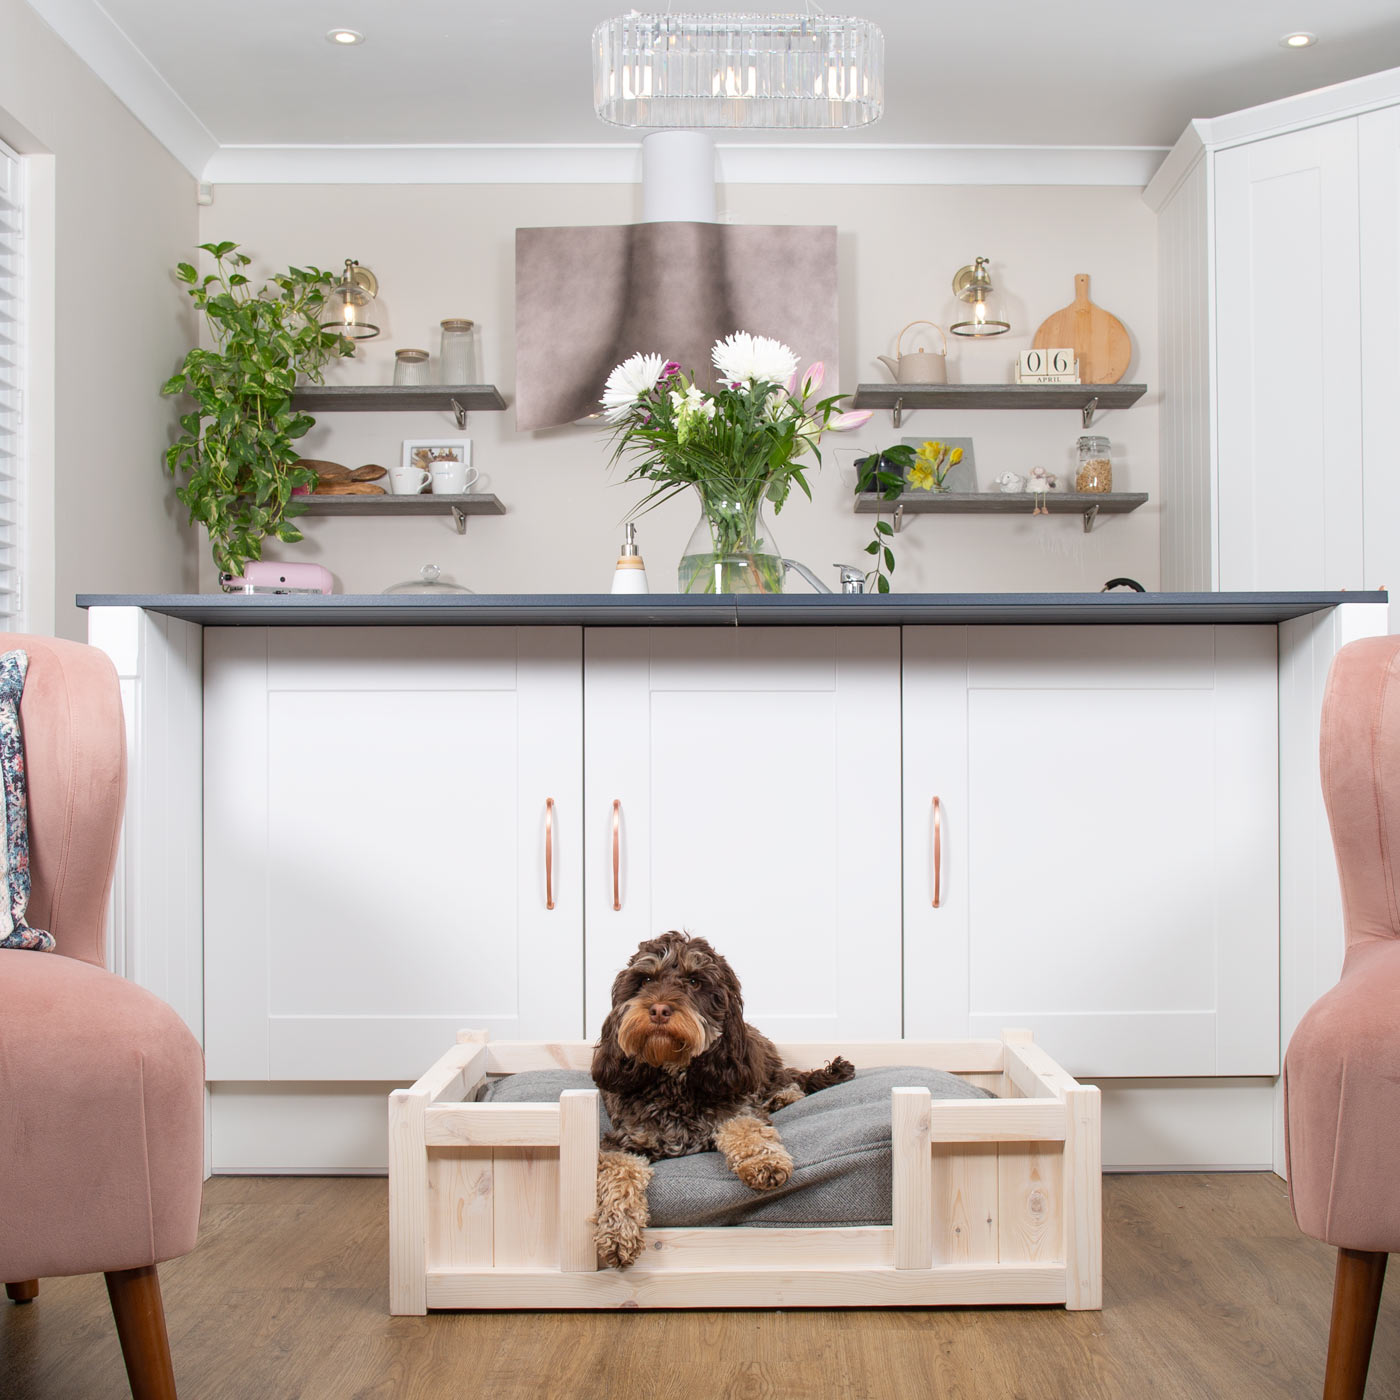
[742, 358]
[630, 381]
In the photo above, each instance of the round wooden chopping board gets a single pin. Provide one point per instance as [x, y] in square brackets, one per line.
[1099, 340]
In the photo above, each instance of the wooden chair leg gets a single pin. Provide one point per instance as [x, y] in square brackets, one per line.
[26, 1291]
[1356, 1298]
[140, 1319]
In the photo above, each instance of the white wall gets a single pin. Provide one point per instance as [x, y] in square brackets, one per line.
[112, 329]
[449, 251]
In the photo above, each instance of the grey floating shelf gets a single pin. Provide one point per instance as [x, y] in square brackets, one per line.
[1087, 398]
[458, 507]
[457, 399]
[1002, 503]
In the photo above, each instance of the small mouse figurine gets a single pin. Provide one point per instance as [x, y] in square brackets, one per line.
[1011, 483]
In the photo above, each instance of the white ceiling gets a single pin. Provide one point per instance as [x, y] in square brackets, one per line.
[1115, 73]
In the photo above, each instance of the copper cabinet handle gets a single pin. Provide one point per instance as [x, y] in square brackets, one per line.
[549, 853]
[617, 858]
[937, 852]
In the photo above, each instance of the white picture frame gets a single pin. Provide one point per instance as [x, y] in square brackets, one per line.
[436, 449]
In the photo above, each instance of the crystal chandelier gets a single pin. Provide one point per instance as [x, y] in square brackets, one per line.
[796, 72]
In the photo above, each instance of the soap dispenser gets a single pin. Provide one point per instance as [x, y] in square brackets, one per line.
[630, 575]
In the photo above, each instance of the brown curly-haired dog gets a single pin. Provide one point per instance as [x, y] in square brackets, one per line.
[681, 1072]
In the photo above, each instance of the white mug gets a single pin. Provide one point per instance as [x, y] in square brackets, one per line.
[451, 478]
[407, 480]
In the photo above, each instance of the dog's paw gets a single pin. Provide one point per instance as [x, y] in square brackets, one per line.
[618, 1238]
[764, 1172]
[841, 1069]
[622, 1212]
[754, 1152]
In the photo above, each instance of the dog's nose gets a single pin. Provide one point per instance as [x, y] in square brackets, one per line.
[660, 1013]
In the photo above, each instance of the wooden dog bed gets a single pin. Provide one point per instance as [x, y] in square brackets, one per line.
[994, 1200]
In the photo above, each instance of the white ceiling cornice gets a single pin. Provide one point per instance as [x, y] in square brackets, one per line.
[1332, 103]
[87, 29]
[1207, 135]
[747, 164]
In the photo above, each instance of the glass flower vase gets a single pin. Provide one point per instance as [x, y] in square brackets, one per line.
[731, 550]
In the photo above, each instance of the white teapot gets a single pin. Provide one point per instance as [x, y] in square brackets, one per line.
[918, 366]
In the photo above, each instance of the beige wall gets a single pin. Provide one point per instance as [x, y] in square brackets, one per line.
[449, 251]
[122, 213]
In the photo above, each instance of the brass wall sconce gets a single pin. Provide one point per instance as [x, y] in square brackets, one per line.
[349, 302]
[973, 284]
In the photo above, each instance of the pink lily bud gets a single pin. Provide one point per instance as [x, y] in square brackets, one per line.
[844, 422]
[814, 378]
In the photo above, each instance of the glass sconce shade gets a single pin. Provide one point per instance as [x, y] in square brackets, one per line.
[790, 72]
[348, 303]
[973, 284]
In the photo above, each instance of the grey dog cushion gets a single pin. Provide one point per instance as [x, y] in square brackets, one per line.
[839, 1139]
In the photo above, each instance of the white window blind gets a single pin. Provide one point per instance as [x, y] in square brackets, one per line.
[12, 385]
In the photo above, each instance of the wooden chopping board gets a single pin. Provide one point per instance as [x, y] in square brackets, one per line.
[1098, 340]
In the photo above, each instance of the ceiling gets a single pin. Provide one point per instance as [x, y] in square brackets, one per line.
[467, 72]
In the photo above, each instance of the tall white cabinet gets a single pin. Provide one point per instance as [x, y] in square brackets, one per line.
[1279, 255]
[1288, 366]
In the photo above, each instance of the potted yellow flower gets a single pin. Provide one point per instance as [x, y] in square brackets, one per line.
[932, 464]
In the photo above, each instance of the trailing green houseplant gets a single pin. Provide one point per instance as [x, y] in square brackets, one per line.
[238, 446]
[885, 471]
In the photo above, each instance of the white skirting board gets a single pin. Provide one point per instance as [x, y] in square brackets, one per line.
[342, 1129]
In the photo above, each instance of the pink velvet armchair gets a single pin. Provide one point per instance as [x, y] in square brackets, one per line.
[101, 1083]
[1342, 1071]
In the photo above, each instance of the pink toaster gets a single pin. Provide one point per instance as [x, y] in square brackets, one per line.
[270, 576]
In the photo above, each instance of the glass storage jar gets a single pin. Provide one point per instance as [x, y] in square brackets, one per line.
[457, 364]
[1095, 471]
[410, 366]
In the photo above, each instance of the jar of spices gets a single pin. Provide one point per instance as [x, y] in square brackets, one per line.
[410, 366]
[1095, 471]
[457, 364]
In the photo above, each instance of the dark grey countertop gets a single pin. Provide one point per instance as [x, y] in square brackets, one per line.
[723, 610]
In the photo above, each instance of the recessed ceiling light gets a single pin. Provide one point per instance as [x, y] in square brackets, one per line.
[1301, 40]
[345, 36]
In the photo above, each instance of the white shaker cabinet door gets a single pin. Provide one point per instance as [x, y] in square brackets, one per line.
[1379, 162]
[1288, 362]
[375, 845]
[743, 784]
[1108, 841]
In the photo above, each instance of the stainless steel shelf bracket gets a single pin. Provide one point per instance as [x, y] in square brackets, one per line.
[897, 413]
[462, 417]
[1088, 410]
[459, 517]
[1089, 517]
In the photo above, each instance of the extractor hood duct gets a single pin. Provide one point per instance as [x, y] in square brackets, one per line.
[678, 178]
[587, 298]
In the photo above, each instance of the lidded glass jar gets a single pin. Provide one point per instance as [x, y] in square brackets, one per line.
[410, 366]
[457, 364]
[1095, 471]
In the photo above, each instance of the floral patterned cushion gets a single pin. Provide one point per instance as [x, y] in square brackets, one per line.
[14, 849]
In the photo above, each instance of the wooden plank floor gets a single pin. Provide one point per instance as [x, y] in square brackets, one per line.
[1210, 1293]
